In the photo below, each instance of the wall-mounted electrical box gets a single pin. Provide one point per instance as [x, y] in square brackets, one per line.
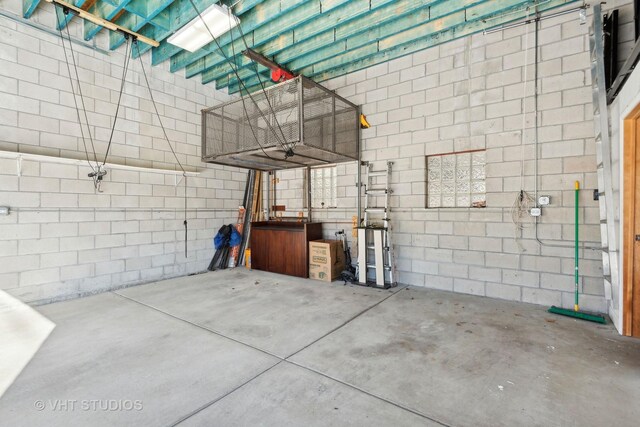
[536, 211]
[4, 210]
[544, 200]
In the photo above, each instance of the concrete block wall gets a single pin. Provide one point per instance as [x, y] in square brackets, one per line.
[468, 94]
[64, 239]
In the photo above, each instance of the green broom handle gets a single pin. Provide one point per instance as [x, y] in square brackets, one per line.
[576, 307]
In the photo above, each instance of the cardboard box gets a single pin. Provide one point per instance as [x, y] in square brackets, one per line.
[326, 260]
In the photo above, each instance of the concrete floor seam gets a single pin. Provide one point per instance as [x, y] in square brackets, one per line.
[384, 399]
[346, 322]
[216, 400]
[199, 326]
[286, 359]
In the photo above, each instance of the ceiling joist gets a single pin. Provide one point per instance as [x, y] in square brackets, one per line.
[320, 39]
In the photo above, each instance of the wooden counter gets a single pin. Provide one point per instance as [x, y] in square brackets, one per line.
[283, 247]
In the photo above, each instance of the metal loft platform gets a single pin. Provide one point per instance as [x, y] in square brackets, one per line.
[297, 117]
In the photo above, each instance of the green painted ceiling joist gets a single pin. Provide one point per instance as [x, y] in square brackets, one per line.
[103, 10]
[245, 71]
[181, 12]
[269, 11]
[310, 32]
[28, 7]
[394, 18]
[439, 29]
[146, 11]
[394, 51]
[462, 30]
[151, 32]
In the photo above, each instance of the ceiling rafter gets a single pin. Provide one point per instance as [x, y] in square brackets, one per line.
[320, 39]
[269, 11]
[398, 15]
[109, 10]
[410, 41]
[321, 29]
[181, 13]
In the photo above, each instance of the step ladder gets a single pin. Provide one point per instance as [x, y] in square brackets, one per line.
[375, 254]
[603, 155]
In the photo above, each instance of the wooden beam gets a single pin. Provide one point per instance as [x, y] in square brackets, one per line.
[395, 18]
[181, 12]
[28, 7]
[102, 22]
[145, 12]
[320, 30]
[105, 11]
[288, 13]
[396, 46]
[390, 19]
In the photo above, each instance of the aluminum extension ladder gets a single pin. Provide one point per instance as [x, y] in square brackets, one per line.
[375, 253]
[603, 155]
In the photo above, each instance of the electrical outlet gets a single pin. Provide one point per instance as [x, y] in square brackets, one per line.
[536, 211]
[4, 210]
[544, 200]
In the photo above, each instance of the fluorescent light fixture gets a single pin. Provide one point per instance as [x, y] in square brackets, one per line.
[194, 35]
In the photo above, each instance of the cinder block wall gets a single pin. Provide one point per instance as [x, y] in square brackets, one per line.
[62, 238]
[468, 94]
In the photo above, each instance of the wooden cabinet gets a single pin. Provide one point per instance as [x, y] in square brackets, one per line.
[283, 247]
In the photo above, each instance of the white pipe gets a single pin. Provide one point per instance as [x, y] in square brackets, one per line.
[78, 162]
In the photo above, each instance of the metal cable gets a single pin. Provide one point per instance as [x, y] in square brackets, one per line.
[231, 65]
[122, 82]
[255, 70]
[155, 107]
[166, 137]
[75, 101]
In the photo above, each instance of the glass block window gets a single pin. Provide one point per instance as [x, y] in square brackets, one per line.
[456, 180]
[324, 188]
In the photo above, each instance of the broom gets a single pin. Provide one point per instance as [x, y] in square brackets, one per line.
[576, 313]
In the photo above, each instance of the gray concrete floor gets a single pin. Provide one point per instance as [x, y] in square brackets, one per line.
[252, 348]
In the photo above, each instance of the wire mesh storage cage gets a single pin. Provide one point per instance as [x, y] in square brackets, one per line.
[293, 124]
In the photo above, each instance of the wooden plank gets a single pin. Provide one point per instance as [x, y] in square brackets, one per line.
[102, 22]
[633, 284]
[28, 7]
[410, 46]
[630, 226]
